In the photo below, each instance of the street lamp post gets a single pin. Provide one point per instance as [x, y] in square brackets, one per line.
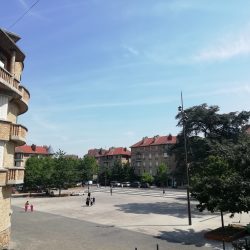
[184, 120]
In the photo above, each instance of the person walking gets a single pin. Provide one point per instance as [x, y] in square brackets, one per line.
[111, 191]
[26, 206]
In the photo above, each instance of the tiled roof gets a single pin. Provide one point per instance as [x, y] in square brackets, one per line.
[26, 149]
[156, 140]
[112, 151]
[96, 152]
[118, 151]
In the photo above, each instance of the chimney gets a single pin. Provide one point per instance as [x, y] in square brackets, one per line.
[170, 137]
[33, 147]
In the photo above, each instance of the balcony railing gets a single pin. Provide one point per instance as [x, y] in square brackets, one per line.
[9, 79]
[18, 133]
[15, 176]
[13, 83]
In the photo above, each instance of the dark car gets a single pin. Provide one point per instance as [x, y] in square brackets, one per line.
[135, 184]
[145, 185]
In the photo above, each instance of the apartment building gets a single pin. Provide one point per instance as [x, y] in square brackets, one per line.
[14, 98]
[108, 158]
[23, 153]
[149, 153]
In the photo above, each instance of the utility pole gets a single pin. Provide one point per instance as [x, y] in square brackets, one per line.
[184, 120]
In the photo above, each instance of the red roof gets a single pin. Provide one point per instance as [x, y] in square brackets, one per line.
[96, 152]
[112, 151]
[118, 151]
[26, 149]
[156, 140]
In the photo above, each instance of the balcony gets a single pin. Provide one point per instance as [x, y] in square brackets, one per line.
[3, 176]
[18, 134]
[13, 132]
[15, 176]
[21, 94]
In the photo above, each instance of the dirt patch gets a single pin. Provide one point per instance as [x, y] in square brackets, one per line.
[228, 234]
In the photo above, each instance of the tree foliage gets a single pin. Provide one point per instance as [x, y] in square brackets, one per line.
[161, 177]
[58, 171]
[119, 172]
[219, 157]
[147, 178]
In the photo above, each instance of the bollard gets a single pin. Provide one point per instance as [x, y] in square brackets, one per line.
[157, 247]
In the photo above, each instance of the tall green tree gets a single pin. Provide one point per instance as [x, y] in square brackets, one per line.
[147, 178]
[64, 171]
[218, 157]
[87, 168]
[161, 177]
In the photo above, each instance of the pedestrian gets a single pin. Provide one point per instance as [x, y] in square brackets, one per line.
[87, 201]
[93, 200]
[26, 206]
[163, 191]
[111, 191]
[89, 194]
[31, 207]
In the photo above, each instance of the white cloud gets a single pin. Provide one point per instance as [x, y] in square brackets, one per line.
[130, 50]
[236, 89]
[226, 48]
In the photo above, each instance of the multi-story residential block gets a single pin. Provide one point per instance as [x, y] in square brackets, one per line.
[97, 153]
[13, 102]
[149, 153]
[23, 153]
[108, 158]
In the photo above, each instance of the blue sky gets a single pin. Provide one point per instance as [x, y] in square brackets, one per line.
[105, 73]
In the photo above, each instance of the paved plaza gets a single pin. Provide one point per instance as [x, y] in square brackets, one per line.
[129, 218]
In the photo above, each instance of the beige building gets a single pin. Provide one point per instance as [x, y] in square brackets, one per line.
[149, 153]
[108, 158]
[23, 153]
[13, 102]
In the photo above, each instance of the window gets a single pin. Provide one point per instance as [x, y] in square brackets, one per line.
[1, 153]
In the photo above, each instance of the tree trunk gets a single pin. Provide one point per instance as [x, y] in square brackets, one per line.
[222, 220]
[223, 227]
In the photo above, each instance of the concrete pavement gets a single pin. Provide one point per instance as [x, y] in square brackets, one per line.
[142, 211]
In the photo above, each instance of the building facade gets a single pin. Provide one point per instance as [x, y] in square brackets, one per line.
[23, 153]
[149, 153]
[108, 158]
[14, 100]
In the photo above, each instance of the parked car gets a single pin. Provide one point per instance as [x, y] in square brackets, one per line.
[145, 185]
[19, 187]
[115, 184]
[126, 184]
[135, 184]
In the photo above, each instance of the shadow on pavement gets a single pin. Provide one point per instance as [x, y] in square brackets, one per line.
[174, 209]
[188, 237]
